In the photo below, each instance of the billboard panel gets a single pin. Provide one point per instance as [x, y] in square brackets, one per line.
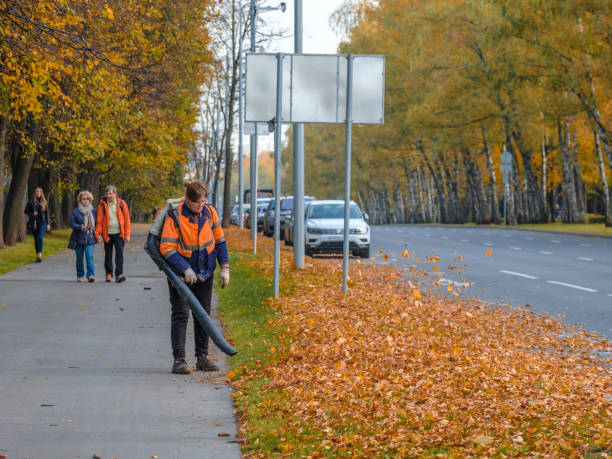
[314, 88]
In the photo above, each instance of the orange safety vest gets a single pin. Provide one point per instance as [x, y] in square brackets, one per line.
[185, 238]
[103, 220]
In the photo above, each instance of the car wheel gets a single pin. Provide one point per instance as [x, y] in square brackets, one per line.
[365, 253]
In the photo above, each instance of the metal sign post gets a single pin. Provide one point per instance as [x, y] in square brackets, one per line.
[313, 88]
[253, 145]
[278, 125]
[240, 126]
[298, 159]
[506, 167]
[347, 177]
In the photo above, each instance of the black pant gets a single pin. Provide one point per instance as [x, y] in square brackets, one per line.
[180, 317]
[113, 241]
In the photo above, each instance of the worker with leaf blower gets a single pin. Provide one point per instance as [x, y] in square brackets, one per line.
[193, 243]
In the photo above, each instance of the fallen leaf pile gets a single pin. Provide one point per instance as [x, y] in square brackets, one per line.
[391, 369]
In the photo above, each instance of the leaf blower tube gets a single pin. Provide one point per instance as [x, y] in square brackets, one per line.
[152, 248]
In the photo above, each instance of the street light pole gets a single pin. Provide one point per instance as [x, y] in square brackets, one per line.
[298, 159]
[253, 142]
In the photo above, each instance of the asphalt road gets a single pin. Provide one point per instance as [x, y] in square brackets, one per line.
[85, 369]
[554, 273]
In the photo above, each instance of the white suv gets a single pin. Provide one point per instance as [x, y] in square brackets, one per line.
[324, 229]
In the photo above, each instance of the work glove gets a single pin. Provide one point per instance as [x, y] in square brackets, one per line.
[224, 277]
[190, 276]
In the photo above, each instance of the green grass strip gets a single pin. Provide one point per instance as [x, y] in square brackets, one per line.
[582, 228]
[250, 325]
[15, 256]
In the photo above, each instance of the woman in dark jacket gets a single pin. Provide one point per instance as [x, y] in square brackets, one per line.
[83, 224]
[38, 220]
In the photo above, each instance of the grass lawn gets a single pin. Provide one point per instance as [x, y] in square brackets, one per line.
[585, 228]
[23, 253]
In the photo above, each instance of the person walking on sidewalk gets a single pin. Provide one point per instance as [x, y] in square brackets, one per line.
[38, 220]
[114, 228]
[83, 224]
[193, 249]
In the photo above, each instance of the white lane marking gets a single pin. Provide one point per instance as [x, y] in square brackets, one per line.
[464, 240]
[609, 294]
[555, 241]
[584, 245]
[398, 231]
[444, 281]
[514, 248]
[512, 273]
[577, 287]
[427, 234]
[586, 259]
[545, 253]
[488, 244]
[469, 231]
[529, 238]
[444, 237]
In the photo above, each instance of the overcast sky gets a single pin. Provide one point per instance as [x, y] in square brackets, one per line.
[318, 37]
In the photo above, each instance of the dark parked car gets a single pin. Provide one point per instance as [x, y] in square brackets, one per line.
[262, 204]
[288, 226]
[286, 209]
[234, 215]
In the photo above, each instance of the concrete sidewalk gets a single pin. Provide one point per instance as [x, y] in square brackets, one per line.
[85, 368]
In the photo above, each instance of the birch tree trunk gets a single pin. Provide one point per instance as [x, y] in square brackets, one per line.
[570, 207]
[580, 201]
[533, 201]
[475, 189]
[544, 179]
[493, 208]
[515, 195]
[423, 215]
[398, 198]
[604, 180]
[438, 183]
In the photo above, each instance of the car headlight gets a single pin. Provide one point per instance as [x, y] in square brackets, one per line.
[313, 230]
[360, 230]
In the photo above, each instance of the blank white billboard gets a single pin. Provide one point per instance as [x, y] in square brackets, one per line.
[314, 88]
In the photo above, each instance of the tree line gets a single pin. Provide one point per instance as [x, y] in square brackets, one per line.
[464, 81]
[98, 92]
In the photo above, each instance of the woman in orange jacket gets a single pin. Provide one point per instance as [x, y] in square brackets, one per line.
[113, 227]
[193, 249]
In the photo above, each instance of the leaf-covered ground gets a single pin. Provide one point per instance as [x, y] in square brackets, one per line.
[393, 370]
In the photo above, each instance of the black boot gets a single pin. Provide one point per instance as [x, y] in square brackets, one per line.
[180, 367]
[203, 364]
